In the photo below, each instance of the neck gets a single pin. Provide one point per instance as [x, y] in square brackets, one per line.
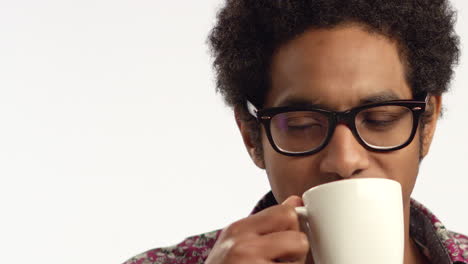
[412, 253]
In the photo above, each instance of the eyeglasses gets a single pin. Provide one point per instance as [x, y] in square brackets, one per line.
[380, 127]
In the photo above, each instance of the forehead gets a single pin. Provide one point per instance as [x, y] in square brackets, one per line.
[337, 68]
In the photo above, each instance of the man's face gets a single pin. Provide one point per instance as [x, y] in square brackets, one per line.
[339, 68]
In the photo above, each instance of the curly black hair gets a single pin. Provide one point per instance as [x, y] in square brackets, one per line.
[248, 32]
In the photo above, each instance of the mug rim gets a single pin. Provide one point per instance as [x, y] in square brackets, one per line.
[345, 181]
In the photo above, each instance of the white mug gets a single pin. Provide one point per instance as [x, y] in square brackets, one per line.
[354, 221]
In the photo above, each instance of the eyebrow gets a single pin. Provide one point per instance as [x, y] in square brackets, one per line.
[302, 102]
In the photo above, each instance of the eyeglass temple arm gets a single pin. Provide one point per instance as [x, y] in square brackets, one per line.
[252, 109]
[423, 96]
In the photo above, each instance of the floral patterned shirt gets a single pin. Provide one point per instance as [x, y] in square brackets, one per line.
[438, 244]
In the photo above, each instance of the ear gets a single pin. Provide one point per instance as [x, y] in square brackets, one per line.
[435, 104]
[247, 138]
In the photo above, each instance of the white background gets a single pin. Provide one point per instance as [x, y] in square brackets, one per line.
[113, 140]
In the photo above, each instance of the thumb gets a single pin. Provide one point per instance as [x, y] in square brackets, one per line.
[293, 201]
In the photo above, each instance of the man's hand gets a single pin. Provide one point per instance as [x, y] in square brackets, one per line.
[270, 236]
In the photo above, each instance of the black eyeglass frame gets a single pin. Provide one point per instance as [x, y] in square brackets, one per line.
[347, 118]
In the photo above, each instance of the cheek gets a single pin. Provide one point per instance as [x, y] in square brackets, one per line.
[403, 166]
[289, 175]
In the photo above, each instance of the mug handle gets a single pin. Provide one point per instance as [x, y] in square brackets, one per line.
[303, 221]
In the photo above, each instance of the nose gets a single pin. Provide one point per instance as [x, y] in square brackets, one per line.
[344, 156]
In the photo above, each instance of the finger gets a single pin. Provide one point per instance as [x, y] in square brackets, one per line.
[293, 201]
[286, 246]
[273, 219]
[276, 219]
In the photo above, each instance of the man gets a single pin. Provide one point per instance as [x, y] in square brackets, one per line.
[322, 91]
